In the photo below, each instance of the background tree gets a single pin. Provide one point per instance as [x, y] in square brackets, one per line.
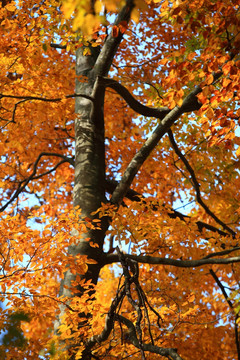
[131, 108]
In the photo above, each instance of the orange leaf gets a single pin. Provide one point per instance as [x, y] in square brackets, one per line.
[115, 31]
[209, 80]
[226, 82]
[123, 25]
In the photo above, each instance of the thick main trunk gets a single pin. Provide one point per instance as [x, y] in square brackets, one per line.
[89, 189]
[89, 184]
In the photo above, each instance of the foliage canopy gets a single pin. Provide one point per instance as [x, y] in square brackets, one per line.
[119, 179]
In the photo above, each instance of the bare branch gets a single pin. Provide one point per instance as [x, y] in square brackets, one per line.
[133, 195]
[49, 171]
[167, 352]
[135, 304]
[222, 253]
[39, 98]
[24, 183]
[196, 184]
[58, 46]
[159, 113]
[221, 287]
[147, 259]
[147, 62]
[150, 144]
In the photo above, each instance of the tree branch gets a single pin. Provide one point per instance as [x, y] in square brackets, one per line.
[135, 105]
[150, 144]
[222, 253]
[134, 331]
[196, 185]
[22, 185]
[109, 323]
[50, 171]
[221, 288]
[230, 304]
[133, 195]
[147, 259]
[27, 97]
[190, 103]
[167, 352]
[58, 46]
[109, 49]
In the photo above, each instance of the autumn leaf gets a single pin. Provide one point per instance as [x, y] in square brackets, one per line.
[119, 179]
[115, 31]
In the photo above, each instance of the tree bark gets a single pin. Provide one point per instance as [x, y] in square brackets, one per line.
[89, 183]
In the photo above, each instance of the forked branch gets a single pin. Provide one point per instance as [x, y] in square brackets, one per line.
[169, 353]
[133, 195]
[189, 104]
[138, 303]
[23, 184]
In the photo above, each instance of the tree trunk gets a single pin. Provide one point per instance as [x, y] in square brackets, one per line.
[89, 191]
[89, 184]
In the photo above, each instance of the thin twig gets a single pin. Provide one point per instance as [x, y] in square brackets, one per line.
[230, 304]
[39, 98]
[22, 185]
[196, 185]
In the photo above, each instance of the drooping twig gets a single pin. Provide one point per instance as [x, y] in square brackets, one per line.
[169, 353]
[128, 280]
[109, 323]
[196, 184]
[230, 304]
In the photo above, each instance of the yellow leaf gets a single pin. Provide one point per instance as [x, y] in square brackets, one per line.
[7, 24]
[78, 354]
[10, 7]
[191, 297]
[86, 51]
[214, 102]
[238, 151]
[94, 245]
[226, 82]
[135, 15]
[68, 8]
[209, 79]
[98, 6]
[90, 24]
